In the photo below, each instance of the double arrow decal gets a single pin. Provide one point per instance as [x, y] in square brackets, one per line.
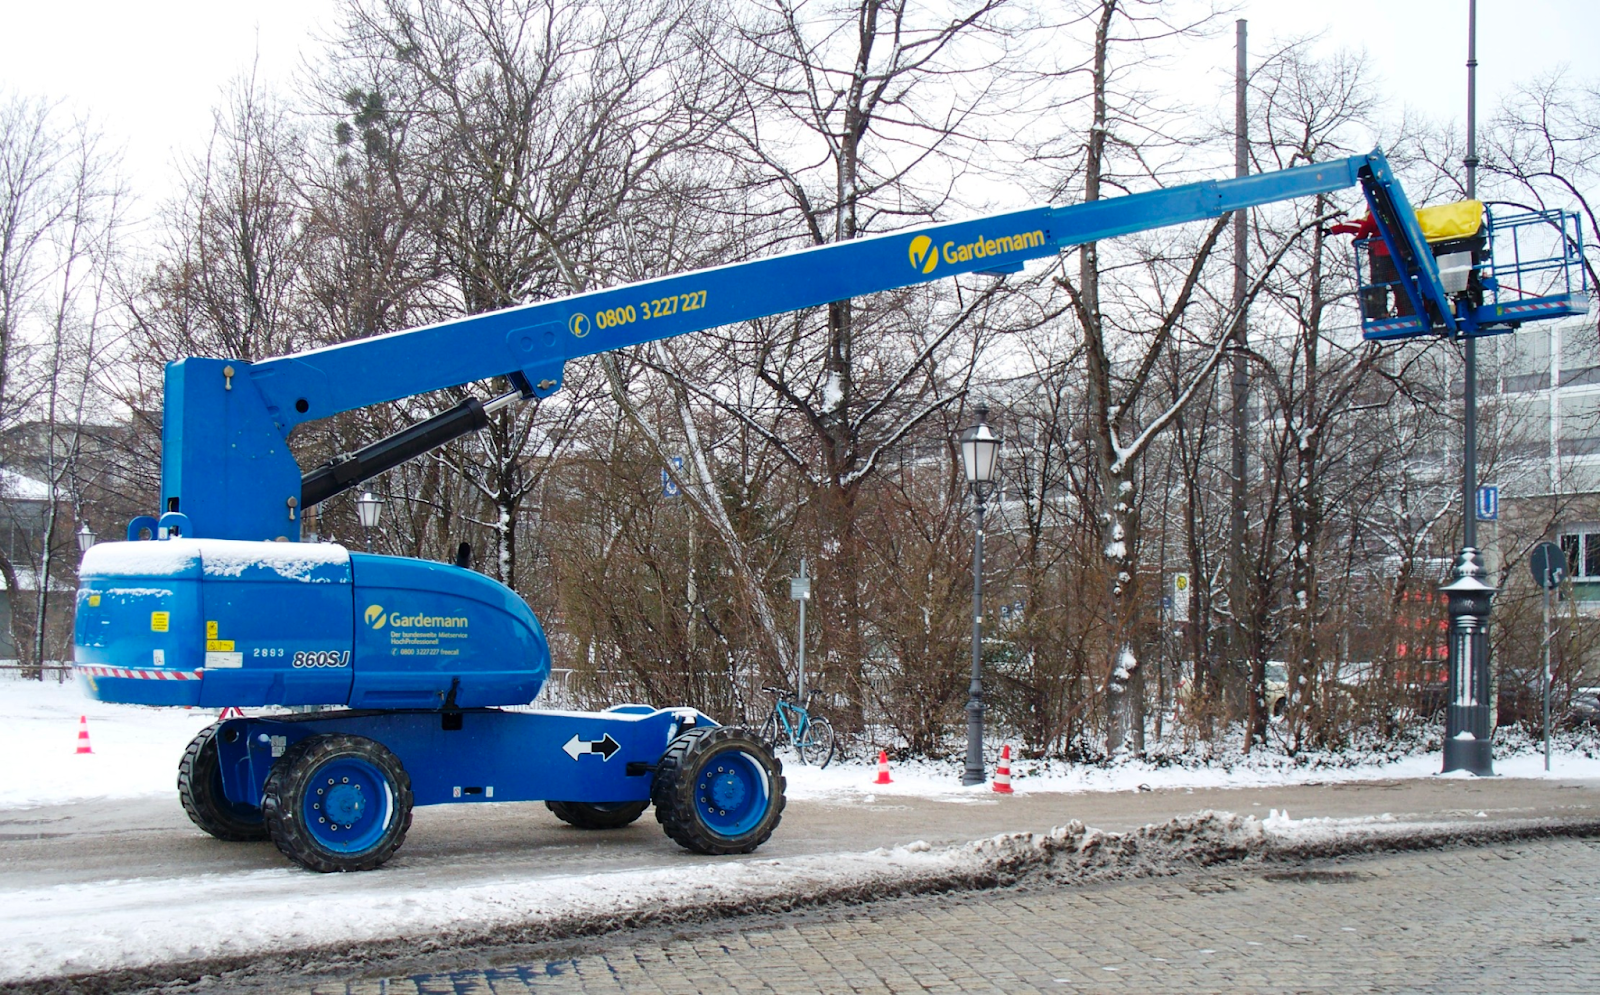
[576, 747]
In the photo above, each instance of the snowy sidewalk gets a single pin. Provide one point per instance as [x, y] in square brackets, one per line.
[101, 871]
[136, 753]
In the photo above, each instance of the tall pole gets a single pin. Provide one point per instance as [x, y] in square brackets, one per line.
[801, 682]
[1467, 742]
[1546, 677]
[974, 772]
[1469, 476]
[1238, 517]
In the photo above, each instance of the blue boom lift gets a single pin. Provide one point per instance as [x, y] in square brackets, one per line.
[217, 603]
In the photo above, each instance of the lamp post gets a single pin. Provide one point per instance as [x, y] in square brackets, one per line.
[980, 450]
[369, 509]
[86, 537]
[1470, 596]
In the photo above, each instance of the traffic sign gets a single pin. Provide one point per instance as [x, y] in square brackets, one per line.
[1488, 503]
[1548, 563]
[669, 486]
[1180, 597]
[800, 587]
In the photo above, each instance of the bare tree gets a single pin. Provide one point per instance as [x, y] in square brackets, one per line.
[1543, 146]
[59, 216]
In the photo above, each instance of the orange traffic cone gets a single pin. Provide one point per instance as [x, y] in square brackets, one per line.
[883, 768]
[1002, 773]
[83, 734]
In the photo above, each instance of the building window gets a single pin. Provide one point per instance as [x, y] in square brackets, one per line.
[1583, 554]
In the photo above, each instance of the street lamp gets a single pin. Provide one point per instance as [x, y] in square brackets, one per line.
[86, 537]
[369, 509]
[980, 451]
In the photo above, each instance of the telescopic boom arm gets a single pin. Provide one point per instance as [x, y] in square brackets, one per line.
[226, 465]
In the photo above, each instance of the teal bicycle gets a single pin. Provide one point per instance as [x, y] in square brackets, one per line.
[791, 724]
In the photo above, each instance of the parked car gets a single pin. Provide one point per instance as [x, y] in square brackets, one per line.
[1277, 688]
[1583, 710]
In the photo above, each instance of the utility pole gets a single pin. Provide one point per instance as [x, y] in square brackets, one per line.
[1240, 384]
[800, 591]
[1467, 742]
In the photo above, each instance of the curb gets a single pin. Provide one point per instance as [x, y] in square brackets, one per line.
[1072, 856]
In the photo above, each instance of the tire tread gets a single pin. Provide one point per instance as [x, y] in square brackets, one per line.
[675, 808]
[283, 786]
[198, 793]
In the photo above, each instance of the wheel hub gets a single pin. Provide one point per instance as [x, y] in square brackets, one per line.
[344, 802]
[728, 790]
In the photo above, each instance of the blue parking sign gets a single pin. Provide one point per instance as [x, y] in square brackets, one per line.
[1488, 503]
[669, 487]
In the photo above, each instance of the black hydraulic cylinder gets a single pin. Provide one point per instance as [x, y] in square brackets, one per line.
[345, 472]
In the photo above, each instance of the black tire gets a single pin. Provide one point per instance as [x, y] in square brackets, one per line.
[688, 777]
[773, 732]
[819, 742]
[598, 815]
[200, 791]
[294, 797]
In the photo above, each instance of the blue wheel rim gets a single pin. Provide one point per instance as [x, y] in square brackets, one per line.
[348, 805]
[732, 793]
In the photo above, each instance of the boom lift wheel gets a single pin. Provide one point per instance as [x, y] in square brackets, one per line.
[200, 791]
[338, 803]
[597, 815]
[718, 790]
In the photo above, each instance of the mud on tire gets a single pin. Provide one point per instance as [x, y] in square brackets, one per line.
[598, 815]
[338, 803]
[200, 791]
[719, 790]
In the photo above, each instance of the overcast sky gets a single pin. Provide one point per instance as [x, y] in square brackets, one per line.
[151, 70]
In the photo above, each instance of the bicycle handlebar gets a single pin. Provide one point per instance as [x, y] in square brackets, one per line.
[786, 694]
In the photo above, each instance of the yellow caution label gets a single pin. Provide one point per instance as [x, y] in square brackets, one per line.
[94, 601]
[159, 621]
[219, 645]
[211, 630]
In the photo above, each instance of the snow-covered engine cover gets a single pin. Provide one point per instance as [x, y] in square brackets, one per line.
[221, 622]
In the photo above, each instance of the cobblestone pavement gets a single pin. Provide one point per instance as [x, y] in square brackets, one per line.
[1506, 918]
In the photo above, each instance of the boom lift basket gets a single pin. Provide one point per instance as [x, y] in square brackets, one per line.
[1517, 267]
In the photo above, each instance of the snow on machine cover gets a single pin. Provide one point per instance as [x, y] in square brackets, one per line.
[220, 622]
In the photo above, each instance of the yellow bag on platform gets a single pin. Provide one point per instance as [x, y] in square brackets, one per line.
[1443, 222]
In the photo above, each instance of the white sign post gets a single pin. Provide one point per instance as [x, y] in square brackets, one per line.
[800, 590]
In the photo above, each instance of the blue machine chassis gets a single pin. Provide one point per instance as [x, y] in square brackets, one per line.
[477, 755]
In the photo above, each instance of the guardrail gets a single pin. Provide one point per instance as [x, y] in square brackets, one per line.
[59, 672]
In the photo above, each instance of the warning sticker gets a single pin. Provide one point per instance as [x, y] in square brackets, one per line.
[211, 630]
[159, 620]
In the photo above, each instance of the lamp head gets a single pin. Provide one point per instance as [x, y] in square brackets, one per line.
[980, 451]
[369, 509]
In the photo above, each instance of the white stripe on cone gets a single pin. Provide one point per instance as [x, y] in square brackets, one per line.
[1002, 773]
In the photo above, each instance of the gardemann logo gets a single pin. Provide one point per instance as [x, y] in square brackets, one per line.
[925, 257]
[376, 616]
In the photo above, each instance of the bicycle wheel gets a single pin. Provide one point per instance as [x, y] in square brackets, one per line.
[816, 742]
[773, 732]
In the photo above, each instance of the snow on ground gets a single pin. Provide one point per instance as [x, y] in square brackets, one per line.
[136, 752]
[934, 779]
[141, 922]
[215, 922]
[136, 749]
